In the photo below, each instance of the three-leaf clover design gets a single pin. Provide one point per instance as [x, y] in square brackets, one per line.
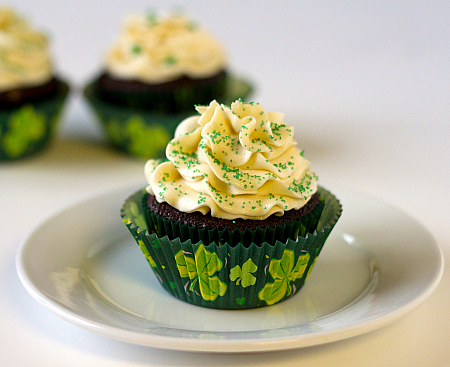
[145, 140]
[114, 129]
[25, 126]
[283, 272]
[201, 270]
[147, 254]
[244, 275]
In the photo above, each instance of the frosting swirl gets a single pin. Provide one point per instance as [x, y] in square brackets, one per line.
[235, 162]
[24, 57]
[156, 50]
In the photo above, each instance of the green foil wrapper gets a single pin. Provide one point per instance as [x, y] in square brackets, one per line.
[225, 276]
[144, 133]
[27, 129]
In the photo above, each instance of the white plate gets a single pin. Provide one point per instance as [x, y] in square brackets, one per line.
[84, 266]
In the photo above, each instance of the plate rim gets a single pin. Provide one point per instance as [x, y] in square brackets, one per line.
[217, 345]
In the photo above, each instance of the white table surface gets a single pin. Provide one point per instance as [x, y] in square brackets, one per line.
[367, 87]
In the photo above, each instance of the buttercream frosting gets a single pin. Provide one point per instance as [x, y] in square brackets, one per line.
[160, 49]
[24, 56]
[234, 162]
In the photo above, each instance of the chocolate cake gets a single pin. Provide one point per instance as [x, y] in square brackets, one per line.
[17, 96]
[200, 220]
[173, 96]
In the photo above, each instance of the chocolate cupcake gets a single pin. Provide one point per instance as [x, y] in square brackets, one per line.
[31, 96]
[156, 71]
[196, 226]
[235, 209]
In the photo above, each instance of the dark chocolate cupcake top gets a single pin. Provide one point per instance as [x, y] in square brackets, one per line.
[233, 162]
[199, 220]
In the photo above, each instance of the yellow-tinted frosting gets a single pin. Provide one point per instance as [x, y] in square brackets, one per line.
[235, 162]
[160, 49]
[24, 56]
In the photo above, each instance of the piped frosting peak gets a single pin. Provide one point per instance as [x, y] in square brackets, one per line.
[234, 162]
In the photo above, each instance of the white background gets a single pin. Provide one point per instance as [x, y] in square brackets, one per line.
[367, 87]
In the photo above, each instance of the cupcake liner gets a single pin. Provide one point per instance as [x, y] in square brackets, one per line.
[230, 277]
[169, 99]
[290, 230]
[28, 128]
[131, 129]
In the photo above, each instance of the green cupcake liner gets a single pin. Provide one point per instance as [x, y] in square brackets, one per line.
[28, 128]
[290, 230]
[169, 100]
[230, 277]
[144, 133]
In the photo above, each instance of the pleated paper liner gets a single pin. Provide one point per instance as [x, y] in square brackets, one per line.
[145, 132]
[230, 277]
[290, 230]
[27, 129]
[168, 99]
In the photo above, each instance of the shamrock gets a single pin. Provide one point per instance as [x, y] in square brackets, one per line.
[283, 273]
[201, 270]
[147, 254]
[156, 244]
[25, 126]
[114, 130]
[244, 275]
[145, 141]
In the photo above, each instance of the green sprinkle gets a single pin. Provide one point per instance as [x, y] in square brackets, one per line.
[170, 60]
[192, 26]
[151, 17]
[136, 49]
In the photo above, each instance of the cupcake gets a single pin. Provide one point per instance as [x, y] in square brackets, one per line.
[31, 96]
[158, 68]
[234, 217]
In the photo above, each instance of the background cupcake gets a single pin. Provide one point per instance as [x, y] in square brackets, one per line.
[164, 64]
[155, 72]
[234, 218]
[31, 96]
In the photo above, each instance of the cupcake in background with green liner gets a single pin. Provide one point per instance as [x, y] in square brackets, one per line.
[156, 71]
[233, 218]
[31, 96]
